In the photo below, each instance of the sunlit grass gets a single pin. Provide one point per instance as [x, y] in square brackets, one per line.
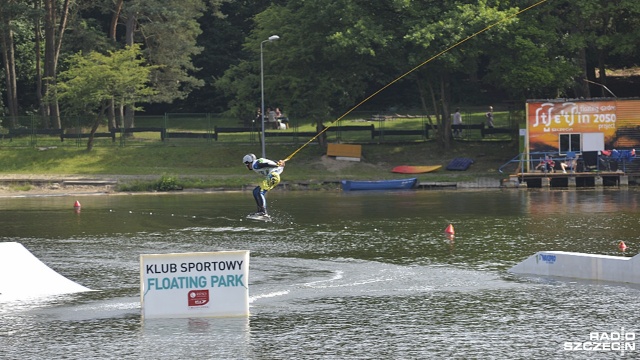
[220, 164]
[206, 163]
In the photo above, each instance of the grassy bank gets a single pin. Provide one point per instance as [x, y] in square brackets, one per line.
[220, 165]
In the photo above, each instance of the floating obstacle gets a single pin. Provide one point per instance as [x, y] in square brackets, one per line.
[449, 230]
[581, 266]
[24, 276]
[622, 246]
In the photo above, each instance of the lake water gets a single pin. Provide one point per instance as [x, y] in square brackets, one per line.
[335, 275]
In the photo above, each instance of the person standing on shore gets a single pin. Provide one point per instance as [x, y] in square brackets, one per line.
[258, 118]
[271, 170]
[272, 118]
[457, 120]
[490, 117]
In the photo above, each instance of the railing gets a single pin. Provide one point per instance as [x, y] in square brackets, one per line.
[533, 159]
[587, 161]
[193, 129]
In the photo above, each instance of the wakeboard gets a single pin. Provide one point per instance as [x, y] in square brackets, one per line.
[259, 217]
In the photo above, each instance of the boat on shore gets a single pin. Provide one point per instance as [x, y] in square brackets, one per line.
[409, 169]
[394, 184]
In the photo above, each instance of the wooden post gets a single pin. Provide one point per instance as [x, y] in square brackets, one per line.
[598, 181]
[624, 181]
[546, 182]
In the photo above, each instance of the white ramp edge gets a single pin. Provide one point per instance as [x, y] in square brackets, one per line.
[581, 266]
[24, 276]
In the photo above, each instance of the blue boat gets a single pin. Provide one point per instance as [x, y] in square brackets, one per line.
[397, 184]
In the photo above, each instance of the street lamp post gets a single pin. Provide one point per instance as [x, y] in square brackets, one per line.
[271, 38]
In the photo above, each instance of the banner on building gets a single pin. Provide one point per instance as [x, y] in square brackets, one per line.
[551, 122]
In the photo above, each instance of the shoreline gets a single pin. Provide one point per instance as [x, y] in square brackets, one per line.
[20, 186]
[13, 186]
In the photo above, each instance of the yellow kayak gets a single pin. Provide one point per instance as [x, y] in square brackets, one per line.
[408, 169]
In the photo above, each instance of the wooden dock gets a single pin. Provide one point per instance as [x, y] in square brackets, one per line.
[568, 180]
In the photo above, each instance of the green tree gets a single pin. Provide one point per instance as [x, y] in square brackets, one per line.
[7, 14]
[168, 30]
[14, 29]
[306, 72]
[531, 60]
[598, 34]
[56, 19]
[330, 56]
[94, 81]
[223, 34]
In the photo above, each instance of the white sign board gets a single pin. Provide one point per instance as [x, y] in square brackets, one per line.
[204, 284]
[592, 141]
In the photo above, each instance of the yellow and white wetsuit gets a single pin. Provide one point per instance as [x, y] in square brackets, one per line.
[271, 171]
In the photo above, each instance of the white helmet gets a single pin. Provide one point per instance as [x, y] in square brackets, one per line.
[248, 159]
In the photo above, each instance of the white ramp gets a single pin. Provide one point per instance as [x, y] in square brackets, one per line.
[581, 266]
[23, 276]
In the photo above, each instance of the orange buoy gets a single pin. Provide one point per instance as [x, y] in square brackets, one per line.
[77, 204]
[449, 230]
[622, 246]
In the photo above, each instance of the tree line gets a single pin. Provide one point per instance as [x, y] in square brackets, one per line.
[204, 55]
